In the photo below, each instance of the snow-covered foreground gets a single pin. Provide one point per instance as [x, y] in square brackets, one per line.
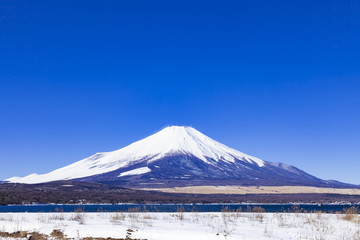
[165, 226]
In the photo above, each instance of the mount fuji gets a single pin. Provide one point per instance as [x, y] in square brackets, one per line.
[179, 156]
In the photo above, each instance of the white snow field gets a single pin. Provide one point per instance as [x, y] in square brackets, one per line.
[189, 226]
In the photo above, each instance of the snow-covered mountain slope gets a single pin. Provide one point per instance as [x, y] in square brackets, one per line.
[176, 156]
[169, 141]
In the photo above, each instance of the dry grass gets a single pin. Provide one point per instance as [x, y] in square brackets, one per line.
[78, 217]
[351, 214]
[24, 235]
[256, 190]
[117, 218]
[58, 234]
[57, 217]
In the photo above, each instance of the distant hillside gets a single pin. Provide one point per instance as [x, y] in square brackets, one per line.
[70, 192]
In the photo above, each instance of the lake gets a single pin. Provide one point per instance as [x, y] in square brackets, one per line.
[330, 208]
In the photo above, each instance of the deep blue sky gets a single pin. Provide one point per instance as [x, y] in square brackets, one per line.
[279, 80]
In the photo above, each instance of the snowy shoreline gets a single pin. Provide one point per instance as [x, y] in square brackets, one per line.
[181, 225]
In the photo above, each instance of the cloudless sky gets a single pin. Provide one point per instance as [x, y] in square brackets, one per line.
[279, 80]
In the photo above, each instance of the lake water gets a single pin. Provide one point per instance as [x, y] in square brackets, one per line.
[175, 207]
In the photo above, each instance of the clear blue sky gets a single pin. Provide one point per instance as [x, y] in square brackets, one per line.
[279, 80]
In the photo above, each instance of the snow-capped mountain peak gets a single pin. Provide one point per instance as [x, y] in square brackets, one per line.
[180, 139]
[169, 141]
[177, 156]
